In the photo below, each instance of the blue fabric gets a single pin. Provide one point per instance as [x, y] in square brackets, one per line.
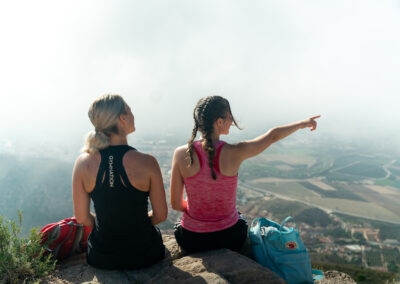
[319, 274]
[281, 249]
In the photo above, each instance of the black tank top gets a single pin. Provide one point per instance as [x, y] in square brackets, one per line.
[122, 221]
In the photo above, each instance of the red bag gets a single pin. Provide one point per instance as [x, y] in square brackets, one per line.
[65, 238]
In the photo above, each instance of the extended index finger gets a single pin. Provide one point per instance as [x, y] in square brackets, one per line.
[314, 117]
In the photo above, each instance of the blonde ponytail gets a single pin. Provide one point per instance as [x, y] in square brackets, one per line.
[95, 141]
[104, 113]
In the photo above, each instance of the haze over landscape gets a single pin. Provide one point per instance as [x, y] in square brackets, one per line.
[275, 61]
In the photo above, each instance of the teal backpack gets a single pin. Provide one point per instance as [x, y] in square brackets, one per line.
[281, 249]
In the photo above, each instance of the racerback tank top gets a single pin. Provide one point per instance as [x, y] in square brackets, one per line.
[211, 203]
[122, 222]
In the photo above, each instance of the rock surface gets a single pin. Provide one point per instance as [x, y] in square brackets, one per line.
[336, 277]
[218, 266]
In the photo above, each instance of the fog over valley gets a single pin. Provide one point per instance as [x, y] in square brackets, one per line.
[275, 62]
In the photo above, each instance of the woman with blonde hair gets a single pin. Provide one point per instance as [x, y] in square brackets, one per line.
[208, 170]
[119, 180]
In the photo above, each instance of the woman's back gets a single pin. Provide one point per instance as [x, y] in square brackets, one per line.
[136, 164]
[228, 164]
[123, 234]
[211, 203]
[121, 209]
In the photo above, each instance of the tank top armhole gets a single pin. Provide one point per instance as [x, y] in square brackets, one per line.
[124, 176]
[216, 158]
[100, 172]
[126, 182]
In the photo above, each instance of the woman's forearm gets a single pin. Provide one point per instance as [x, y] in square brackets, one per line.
[179, 206]
[254, 147]
[155, 219]
[280, 132]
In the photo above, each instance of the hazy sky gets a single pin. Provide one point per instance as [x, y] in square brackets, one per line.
[276, 61]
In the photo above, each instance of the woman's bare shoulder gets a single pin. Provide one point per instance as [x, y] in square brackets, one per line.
[230, 146]
[234, 146]
[137, 157]
[232, 151]
[87, 158]
[86, 161]
[181, 154]
[181, 150]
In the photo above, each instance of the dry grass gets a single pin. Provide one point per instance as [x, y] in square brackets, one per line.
[315, 181]
[320, 184]
[360, 208]
[289, 159]
[383, 189]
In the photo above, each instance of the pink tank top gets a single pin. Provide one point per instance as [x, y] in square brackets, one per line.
[211, 204]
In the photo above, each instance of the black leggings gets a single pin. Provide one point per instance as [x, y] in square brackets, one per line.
[232, 238]
[135, 256]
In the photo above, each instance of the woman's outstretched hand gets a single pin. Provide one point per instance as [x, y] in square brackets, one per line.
[310, 122]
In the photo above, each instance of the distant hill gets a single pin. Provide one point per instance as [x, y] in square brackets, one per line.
[281, 208]
[40, 187]
[312, 216]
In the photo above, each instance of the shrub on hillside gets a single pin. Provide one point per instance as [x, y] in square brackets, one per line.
[21, 258]
[358, 273]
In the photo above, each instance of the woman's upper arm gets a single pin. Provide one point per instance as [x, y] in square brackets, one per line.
[80, 197]
[247, 149]
[157, 192]
[176, 184]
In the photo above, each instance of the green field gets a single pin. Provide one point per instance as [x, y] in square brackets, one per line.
[338, 193]
[348, 171]
[364, 169]
[373, 258]
[291, 189]
[363, 209]
[391, 255]
[355, 206]
[390, 182]
[395, 171]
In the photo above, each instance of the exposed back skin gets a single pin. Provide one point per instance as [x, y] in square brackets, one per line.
[227, 165]
[138, 167]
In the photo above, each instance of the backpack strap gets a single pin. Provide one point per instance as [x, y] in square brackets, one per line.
[288, 218]
[255, 222]
[78, 237]
[56, 250]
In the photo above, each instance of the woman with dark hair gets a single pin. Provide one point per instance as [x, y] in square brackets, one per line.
[208, 170]
[119, 180]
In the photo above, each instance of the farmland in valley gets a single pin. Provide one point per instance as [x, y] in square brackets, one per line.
[347, 181]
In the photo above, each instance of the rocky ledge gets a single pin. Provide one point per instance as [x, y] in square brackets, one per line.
[217, 266]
